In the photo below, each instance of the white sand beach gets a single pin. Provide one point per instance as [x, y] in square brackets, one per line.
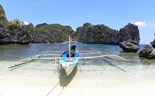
[88, 81]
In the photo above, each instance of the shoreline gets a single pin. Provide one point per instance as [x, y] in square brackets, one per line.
[89, 80]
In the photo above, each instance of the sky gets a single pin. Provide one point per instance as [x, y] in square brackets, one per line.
[113, 13]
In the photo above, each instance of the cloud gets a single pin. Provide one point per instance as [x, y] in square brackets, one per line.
[144, 24]
[25, 23]
[152, 24]
[140, 24]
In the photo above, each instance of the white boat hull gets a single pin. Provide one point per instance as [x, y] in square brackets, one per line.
[68, 64]
[68, 69]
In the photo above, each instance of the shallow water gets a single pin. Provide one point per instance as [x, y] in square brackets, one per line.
[101, 73]
[10, 54]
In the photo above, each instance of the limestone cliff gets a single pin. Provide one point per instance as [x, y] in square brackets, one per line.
[101, 34]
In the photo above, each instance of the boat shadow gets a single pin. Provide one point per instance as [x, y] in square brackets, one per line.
[64, 79]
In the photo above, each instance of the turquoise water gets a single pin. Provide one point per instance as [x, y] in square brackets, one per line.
[18, 52]
[114, 71]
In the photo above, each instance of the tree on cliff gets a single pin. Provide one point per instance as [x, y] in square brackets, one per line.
[3, 20]
[2, 12]
[50, 33]
[12, 32]
[101, 34]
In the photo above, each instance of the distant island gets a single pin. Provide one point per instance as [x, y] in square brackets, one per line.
[15, 32]
[128, 37]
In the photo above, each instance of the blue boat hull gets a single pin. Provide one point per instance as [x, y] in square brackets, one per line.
[69, 63]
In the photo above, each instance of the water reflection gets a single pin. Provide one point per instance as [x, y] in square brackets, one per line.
[135, 59]
[65, 80]
[128, 55]
[147, 61]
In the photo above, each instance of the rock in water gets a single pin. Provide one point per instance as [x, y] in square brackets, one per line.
[147, 52]
[130, 31]
[153, 43]
[129, 46]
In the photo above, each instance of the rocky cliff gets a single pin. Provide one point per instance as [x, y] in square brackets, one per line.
[101, 34]
[98, 34]
[3, 20]
[50, 33]
[14, 35]
[129, 32]
[12, 32]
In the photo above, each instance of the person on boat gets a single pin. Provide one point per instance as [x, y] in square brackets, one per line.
[73, 48]
[72, 51]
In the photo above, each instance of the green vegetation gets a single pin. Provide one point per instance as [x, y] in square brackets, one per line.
[2, 13]
[13, 31]
[15, 22]
[50, 33]
[98, 34]
[3, 20]
[30, 28]
[108, 29]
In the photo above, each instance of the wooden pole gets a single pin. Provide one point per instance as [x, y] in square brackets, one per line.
[69, 46]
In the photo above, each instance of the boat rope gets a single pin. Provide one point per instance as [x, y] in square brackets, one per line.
[56, 85]
[60, 92]
[102, 67]
[63, 77]
[80, 68]
[114, 65]
[80, 65]
[117, 58]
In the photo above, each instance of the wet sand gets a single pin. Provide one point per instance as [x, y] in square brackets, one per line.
[42, 79]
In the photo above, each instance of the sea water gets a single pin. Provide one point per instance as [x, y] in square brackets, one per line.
[15, 53]
[44, 74]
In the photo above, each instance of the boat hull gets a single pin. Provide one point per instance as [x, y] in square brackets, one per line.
[68, 64]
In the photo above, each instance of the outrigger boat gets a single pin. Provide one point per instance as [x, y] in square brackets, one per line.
[68, 62]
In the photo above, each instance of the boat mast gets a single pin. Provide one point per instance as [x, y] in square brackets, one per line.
[69, 45]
